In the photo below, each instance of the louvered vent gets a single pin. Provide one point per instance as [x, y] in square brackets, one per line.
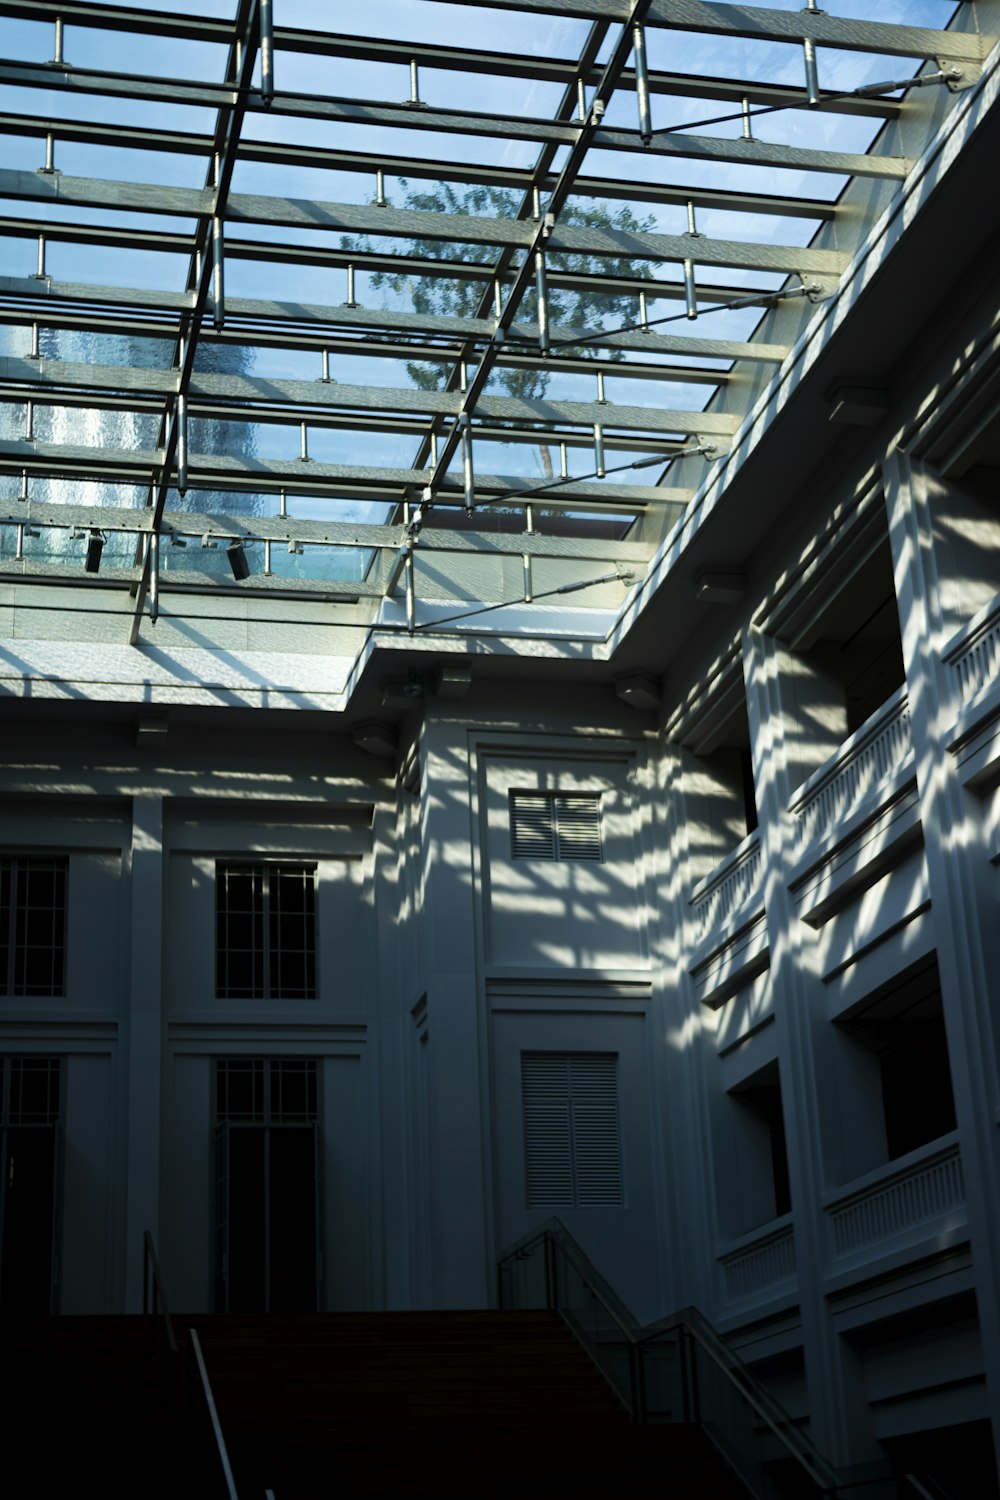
[555, 825]
[571, 1138]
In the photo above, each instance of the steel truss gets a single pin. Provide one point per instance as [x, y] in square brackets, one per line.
[538, 249]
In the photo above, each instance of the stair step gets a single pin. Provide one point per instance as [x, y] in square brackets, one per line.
[339, 1405]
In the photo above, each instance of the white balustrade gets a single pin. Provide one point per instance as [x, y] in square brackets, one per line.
[871, 754]
[764, 1264]
[730, 885]
[974, 654]
[902, 1199]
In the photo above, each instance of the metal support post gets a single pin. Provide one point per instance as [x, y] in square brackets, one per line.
[599, 450]
[602, 399]
[411, 601]
[40, 273]
[812, 71]
[218, 272]
[690, 290]
[154, 576]
[380, 198]
[266, 53]
[468, 478]
[642, 84]
[414, 83]
[180, 417]
[50, 155]
[325, 377]
[541, 293]
[350, 288]
[303, 443]
[57, 55]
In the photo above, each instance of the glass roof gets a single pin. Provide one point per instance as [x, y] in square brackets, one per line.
[385, 313]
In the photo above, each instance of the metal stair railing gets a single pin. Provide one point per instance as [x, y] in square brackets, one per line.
[677, 1369]
[154, 1302]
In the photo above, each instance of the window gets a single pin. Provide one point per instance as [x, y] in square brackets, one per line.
[263, 1091]
[572, 1151]
[29, 1090]
[265, 931]
[32, 925]
[555, 825]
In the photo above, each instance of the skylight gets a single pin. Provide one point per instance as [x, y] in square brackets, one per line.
[430, 289]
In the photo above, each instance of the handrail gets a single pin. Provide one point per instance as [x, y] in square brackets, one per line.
[220, 1441]
[159, 1295]
[689, 1323]
[777, 1420]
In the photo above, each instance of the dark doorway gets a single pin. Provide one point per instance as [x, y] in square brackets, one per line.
[29, 1112]
[267, 1190]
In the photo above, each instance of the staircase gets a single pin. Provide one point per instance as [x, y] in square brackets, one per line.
[335, 1405]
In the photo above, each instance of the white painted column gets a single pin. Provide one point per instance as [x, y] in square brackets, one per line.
[793, 715]
[690, 1059]
[461, 1240]
[962, 888]
[144, 1044]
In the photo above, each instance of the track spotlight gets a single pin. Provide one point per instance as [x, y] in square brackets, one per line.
[238, 559]
[95, 546]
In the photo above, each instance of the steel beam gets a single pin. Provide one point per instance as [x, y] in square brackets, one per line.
[246, 315]
[50, 374]
[765, 25]
[348, 482]
[275, 153]
[415, 224]
[468, 123]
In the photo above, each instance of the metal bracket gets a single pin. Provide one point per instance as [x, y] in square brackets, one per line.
[959, 76]
[818, 288]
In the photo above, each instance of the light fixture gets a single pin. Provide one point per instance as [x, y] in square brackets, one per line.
[402, 694]
[451, 682]
[638, 692]
[720, 588]
[858, 403]
[377, 739]
[95, 546]
[238, 559]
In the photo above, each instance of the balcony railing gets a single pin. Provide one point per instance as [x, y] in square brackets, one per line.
[730, 885]
[863, 761]
[922, 1188]
[761, 1264]
[974, 654]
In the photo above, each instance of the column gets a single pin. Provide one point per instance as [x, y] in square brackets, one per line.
[143, 1051]
[961, 881]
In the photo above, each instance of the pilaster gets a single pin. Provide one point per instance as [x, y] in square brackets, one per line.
[144, 1047]
[960, 882]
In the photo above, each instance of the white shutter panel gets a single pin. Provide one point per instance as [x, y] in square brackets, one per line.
[531, 832]
[578, 825]
[548, 1147]
[572, 1148]
[596, 1145]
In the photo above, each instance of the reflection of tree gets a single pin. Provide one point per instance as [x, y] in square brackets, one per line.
[584, 307]
[95, 428]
